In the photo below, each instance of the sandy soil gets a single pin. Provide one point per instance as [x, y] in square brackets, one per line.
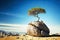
[29, 38]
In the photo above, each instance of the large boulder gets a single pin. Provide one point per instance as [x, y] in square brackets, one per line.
[37, 28]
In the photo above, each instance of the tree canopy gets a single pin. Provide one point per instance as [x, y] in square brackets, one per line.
[36, 11]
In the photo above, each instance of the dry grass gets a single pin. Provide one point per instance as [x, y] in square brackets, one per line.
[29, 38]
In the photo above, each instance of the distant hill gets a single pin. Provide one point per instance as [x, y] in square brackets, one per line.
[5, 33]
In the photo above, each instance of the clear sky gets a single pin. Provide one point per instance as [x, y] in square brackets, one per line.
[16, 12]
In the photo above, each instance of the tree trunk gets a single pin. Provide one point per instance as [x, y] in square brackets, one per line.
[37, 17]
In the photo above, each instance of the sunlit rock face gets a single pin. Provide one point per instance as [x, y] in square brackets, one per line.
[37, 28]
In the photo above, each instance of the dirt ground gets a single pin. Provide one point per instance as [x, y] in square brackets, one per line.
[29, 38]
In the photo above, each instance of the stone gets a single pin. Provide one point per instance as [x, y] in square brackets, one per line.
[37, 28]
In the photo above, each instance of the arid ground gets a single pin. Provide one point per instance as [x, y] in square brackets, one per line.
[29, 38]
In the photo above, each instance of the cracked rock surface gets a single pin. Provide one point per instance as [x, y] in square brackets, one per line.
[37, 28]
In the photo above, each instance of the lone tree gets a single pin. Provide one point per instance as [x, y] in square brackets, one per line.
[36, 11]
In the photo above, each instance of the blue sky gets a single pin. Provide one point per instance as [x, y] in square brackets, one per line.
[16, 11]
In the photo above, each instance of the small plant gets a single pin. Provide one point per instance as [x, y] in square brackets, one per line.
[35, 11]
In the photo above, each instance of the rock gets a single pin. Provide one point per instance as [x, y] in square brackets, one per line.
[37, 28]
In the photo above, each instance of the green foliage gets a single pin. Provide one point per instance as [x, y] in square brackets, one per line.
[36, 11]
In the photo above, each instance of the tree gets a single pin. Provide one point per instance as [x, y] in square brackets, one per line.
[36, 11]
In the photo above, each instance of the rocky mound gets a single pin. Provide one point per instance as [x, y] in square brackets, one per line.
[37, 28]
